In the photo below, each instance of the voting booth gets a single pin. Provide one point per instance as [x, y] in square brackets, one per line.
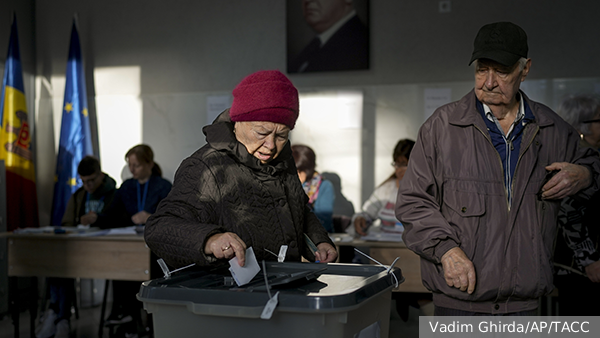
[313, 300]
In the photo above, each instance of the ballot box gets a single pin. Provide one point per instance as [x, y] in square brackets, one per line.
[313, 300]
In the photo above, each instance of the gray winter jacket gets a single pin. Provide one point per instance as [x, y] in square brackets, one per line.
[222, 188]
[453, 195]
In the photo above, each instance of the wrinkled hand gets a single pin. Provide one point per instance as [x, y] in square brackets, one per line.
[458, 270]
[89, 218]
[593, 272]
[569, 180]
[360, 226]
[226, 246]
[326, 253]
[140, 218]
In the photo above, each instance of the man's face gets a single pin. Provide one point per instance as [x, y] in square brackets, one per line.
[496, 84]
[322, 14]
[92, 182]
[263, 140]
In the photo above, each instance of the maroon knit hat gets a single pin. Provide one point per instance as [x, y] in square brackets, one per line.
[266, 95]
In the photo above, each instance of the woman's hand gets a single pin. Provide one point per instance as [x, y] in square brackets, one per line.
[326, 253]
[360, 225]
[89, 218]
[226, 246]
[140, 218]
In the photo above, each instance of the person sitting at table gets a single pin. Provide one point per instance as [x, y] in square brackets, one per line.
[241, 189]
[84, 206]
[382, 202]
[136, 199]
[320, 191]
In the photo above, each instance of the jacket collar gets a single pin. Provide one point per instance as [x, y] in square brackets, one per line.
[467, 114]
[220, 136]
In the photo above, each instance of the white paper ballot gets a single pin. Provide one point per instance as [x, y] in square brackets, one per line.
[244, 274]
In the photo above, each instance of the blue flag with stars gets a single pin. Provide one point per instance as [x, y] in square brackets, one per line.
[75, 135]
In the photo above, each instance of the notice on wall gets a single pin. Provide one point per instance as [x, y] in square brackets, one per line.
[215, 105]
[435, 98]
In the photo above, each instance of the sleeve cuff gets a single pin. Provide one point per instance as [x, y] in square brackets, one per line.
[443, 247]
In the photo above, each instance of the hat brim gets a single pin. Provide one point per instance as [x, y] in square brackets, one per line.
[502, 57]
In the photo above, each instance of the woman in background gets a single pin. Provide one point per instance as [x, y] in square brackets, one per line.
[136, 199]
[321, 195]
[576, 251]
[382, 202]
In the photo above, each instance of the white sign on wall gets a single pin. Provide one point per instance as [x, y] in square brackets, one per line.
[435, 98]
[215, 105]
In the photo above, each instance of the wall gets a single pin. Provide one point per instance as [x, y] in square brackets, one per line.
[167, 58]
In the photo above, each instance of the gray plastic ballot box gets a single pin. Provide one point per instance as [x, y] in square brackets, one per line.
[315, 300]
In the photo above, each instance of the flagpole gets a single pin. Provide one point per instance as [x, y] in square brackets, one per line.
[76, 20]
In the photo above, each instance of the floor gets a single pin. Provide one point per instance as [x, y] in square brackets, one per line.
[89, 318]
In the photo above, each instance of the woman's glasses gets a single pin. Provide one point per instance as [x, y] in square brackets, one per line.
[591, 121]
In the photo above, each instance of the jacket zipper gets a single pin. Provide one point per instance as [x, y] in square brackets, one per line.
[500, 161]
[537, 128]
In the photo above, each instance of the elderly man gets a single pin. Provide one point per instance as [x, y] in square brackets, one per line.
[480, 198]
[342, 40]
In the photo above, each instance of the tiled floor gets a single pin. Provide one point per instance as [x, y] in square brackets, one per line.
[87, 324]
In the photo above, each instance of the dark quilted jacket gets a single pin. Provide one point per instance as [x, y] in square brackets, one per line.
[222, 188]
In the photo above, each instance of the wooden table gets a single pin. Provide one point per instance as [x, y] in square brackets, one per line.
[110, 257]
[119, 257]
[385, 253]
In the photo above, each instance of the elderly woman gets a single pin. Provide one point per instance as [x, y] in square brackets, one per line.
[241, 189]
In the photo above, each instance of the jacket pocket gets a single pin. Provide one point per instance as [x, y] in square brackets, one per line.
[464, 210]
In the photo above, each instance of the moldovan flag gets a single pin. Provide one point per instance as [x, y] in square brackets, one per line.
[15, 143]
[75, 135]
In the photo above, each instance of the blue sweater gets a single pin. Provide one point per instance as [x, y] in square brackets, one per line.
[125, 203]
[323, 206]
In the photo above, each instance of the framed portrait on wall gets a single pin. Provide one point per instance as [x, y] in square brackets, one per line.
[327, 35]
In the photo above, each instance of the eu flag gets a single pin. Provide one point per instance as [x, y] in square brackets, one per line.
[75, 136]
[15, 142]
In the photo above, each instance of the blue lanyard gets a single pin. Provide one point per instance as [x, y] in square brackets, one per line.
[141, 202]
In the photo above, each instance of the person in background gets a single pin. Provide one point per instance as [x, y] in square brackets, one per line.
[320, 192]
[576, 252]
[382, 202]
[136, 199]
[478, 201]
[241, 189]
[83, 208]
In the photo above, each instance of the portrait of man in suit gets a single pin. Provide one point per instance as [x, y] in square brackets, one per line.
[327, 35]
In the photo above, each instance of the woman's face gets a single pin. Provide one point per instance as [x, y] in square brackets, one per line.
[400, 166]
[140, 170]
[263, 140]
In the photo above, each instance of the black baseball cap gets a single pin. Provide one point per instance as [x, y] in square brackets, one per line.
[503, 42]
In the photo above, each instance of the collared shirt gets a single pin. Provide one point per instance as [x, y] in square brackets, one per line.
[508, 145]
[326, 35]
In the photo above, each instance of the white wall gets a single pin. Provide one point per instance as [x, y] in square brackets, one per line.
[188, 50]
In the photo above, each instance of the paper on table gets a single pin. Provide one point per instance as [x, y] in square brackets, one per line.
[244, 274]
[130, 230]
[382, 237]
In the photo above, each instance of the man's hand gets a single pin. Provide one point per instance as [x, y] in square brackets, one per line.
[593, 272]
[458, 270]
[326, 253]
[89, 218]
[225, 246]
[568, 181]
[360, 225]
